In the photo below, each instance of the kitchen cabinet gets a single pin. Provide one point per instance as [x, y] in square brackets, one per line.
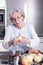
[4, 58]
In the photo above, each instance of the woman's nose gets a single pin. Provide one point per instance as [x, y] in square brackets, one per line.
[18, 21]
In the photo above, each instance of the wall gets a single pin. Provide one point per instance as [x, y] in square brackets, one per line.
[35, 14]
[2, 3]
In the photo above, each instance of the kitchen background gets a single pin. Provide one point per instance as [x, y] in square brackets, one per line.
[33, 11]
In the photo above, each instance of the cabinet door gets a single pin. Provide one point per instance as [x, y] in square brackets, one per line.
[2, 23]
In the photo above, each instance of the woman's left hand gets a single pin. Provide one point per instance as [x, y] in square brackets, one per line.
[25, 40]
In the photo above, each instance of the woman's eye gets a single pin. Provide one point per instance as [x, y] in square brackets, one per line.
[18, 17]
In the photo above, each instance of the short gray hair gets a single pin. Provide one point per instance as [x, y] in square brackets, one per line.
[17, 10]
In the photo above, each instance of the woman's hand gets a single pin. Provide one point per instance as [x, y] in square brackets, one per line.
[24, 40]
[15, 41]
[21, 39]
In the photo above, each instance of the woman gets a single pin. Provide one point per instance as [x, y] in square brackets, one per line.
[20, 35]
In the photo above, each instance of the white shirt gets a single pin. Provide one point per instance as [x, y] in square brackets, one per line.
[27, 31]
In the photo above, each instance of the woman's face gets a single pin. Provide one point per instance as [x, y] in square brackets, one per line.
[18, 19]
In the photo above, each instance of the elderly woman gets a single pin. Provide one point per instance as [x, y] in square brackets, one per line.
[20, 35]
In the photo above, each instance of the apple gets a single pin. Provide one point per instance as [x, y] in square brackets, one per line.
[29, 58]
[24, 61]
[37, 58]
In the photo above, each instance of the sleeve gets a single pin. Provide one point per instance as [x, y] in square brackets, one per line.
[6, 37]
[34, 37]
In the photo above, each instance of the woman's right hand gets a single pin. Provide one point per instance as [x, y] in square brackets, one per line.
[15, 41]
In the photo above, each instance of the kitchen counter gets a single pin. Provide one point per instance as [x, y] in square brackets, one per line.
[1, 48]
